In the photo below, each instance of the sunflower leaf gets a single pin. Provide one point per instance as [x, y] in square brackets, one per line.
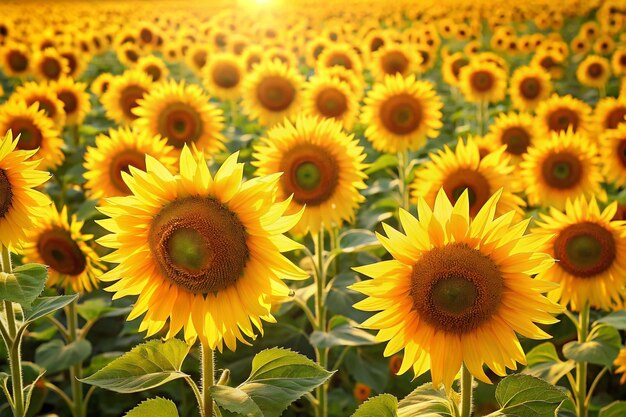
[24, 285]
[616, 319]
[55, 356]
[601, 348]
[154, 407]
[343, 333]
[384, 405]
[544, 362]
[425, 401]
[526, 396]
[382, 162]
[357, 240]
[235, 401]
[615, 409]
[43, 306]
[146, 366]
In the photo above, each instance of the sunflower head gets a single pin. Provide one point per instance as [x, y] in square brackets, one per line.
[610, 113]
[561, 113]
[594, 71]
[482, 81]
[515, 131]
[16, 59]
[330, 98]
[49, 65]
[394, 59]
[75, 99]
[123, 94]
[530, 85]
[42, 93]
[222, 76]
[153, 66]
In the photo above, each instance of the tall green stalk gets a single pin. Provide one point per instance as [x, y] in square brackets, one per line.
[466, 392]
[320, 315]
[581, 367]
[403, 186]
[208, 379]
[77, 369]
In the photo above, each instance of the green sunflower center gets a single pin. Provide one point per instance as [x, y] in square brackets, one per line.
[308, 176]
[189, 250]
[454, 294]
[226, 75]
[276, 93]
[585, 249]
[58, 250]
[331, 102]
[6, 193]
[562, 170]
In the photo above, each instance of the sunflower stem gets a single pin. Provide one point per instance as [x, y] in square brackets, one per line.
[482, 111]
[75, 135]
[13, 346]
[581, 367]
[208, 379]
[320, 314]
[403, 187]
[466, 392]
[76, 370]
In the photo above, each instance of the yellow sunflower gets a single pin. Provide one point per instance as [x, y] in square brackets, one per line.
[20, 204]
[620, 362]
[323, 170]
[197, 56]
[457, 290]
[482, 82]
[451, 67]
[49, 65]
[612, 149]
[340, 55]
[393, 59]
[251, 56]
[153, 66]
[530, 85]
[563, 166]
[594, 71]
[588, 246]
[116, 153]
[330, 98]
[16, 59]
[182, 115]
[610, 113]
[314, 48]
[123, 95]
[400, 113]
[202, 252]
[551, 61]
[76, 61]
[357, 85]
[272, 92]
[516, 131]
[35, 130]
[59, 243]
[463, 169]
[101, 83]
[618, 62]
[129, 53]
[561, 113]
[32, 92]
[222, 76]
[75, 99]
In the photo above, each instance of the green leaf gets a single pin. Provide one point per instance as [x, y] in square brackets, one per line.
[616, 319]
[278, 378]
[343, 333]
[526, 396]
[28, 390]
[382, 162]
[154, 407]
[384, 405]
[146, 366]
[543, 362]
[24, 285]
[55, 356]
[615, 409]
[358, 240]
[99, 307]
[235, 400]
[426, 400]
[601, 348]
[43, 306]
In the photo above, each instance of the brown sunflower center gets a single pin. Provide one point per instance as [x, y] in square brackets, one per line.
[516, 140]
[30, 135]
[17, 61]
[132, 55]
[595, 70]
[331, 102]
[311, 174]
[6, 193]
[456, 66]
[154, 72]
[585, 249]
[456, 288]
[275, 93]
[72, 62]
[562, 170]
[615, 117]
[547, 62]
[199, 244]
[226, 75]
[395, 62]
[562, 118]
[251, 61]
[51, 68]
[58, 250]
[481, 81]
[128, 99]
[530, 88]
[401, 114]
[145, 35]
[199, 58]
[477, 186]
[180, 123]
[339, 60]
[621, 152]
[122, 163]
[70, 101]
[45, 104]
[622, 60]
[376, 44]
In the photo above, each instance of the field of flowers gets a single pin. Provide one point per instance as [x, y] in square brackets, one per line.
[351, 208]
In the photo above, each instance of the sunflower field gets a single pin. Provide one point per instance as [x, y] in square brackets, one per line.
[351, 208]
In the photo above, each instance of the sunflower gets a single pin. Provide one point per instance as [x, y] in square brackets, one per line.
[182, 115]
[101, 83]
[153, 66]
[32, 92]
[341, 55]
[251, 56]
[551, 61]
[400, 113]
[530, 85]
[222, 76]
[20, 204]
[563, 166]
[75, 99]
[516, 131]
[589, 246]
[323, 170]
[59, 243]
[123, 95]
[580, 45]
[16, 59]
[357, 85]
[610, 113]
[76, 62]
[394, 59]
[620, 362]
[129, 54]
[116, 153]
[463, 169]
[612, 149]
[561, 113]
[482, 81]
[202, 252]
[457, 290]
[283, 55]
[314, 48]
[330, 98]
[49, 65]
[35, 130]
[197, 56]
[451, 67]
[604, 44]
[618, 62]
[594, 71]
[272, 92]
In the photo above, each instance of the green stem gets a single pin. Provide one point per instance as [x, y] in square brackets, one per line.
[482, 110]
[77, 369]
[75, 135]
[403, 187]
[13, 346]
[581, 367]
[320, 314]
[208, 380]
[466, 392]
[594, 385]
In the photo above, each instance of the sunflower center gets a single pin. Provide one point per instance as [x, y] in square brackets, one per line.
[46, 105]
[395, 62]
[595, 70]
[331, 102]
[51, 68]
[530, 88]
[70, 101]
[154, 72]
[29, 133]
[562, 170]
[615, 117]
[376, 44]
[622, 60]
[199, 58]
[72, 62]
[128, 99]
[199, 244]
[340, 60]
[474, 182]
[562, 118]
[180, 123]
[547, 62]
[457, 65]
[621, 152]
[6, 193]
[456, 288]
[226, 75]
[122, 163]
[516, 140]
[58, 250]
[17, 61]
[401, 114]
[585, 249]
[132, 55]
[275, 93]
[311, 174]
[482, 81]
